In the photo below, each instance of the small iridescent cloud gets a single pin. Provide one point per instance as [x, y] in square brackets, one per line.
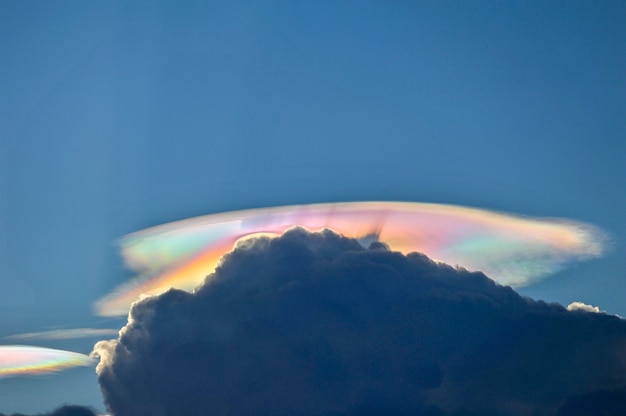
[20, 360]
[58, 334]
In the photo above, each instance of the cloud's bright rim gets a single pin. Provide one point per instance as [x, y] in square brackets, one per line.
[581, 306]
[30, 360]
[511, 249]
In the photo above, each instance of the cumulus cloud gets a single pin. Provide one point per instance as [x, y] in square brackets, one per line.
[313, 323]
[580, 306]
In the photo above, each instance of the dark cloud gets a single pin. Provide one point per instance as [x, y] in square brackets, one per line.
[68, 410]
[596, 403]
[313, 323]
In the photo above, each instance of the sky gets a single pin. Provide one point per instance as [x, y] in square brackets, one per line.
[115, 117]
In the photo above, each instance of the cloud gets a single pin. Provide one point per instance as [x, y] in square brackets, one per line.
[597, 403]
[313, 323]
[62, 334]
[20, 360]
[510, 249]
[580, 306]
[67, 410]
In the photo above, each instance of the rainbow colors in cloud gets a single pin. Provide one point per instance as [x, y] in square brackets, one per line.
[510, 249]
[18, 360]
[58, 334]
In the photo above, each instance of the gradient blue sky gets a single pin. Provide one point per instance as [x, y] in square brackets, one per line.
[115, 116]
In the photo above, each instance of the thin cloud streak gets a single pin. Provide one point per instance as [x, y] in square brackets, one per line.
[59, 334]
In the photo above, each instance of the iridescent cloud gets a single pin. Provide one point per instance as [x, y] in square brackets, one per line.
[28, 360]
[512, 250]
[63, 334]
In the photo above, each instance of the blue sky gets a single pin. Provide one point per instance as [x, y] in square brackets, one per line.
[115, 117]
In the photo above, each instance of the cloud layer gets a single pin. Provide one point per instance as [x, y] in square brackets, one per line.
[313, 323]
[68, 410]
[510, 249]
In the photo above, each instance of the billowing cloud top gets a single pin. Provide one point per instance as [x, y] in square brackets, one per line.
[314, 323]
[581, 306]
[29, 360]
[512, 250]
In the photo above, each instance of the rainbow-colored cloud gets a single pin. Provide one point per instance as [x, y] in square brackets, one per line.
[29, 360]
[58, 334]
[512, 250]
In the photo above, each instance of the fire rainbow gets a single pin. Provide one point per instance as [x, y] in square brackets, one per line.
[16, 360]
[512, 250]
